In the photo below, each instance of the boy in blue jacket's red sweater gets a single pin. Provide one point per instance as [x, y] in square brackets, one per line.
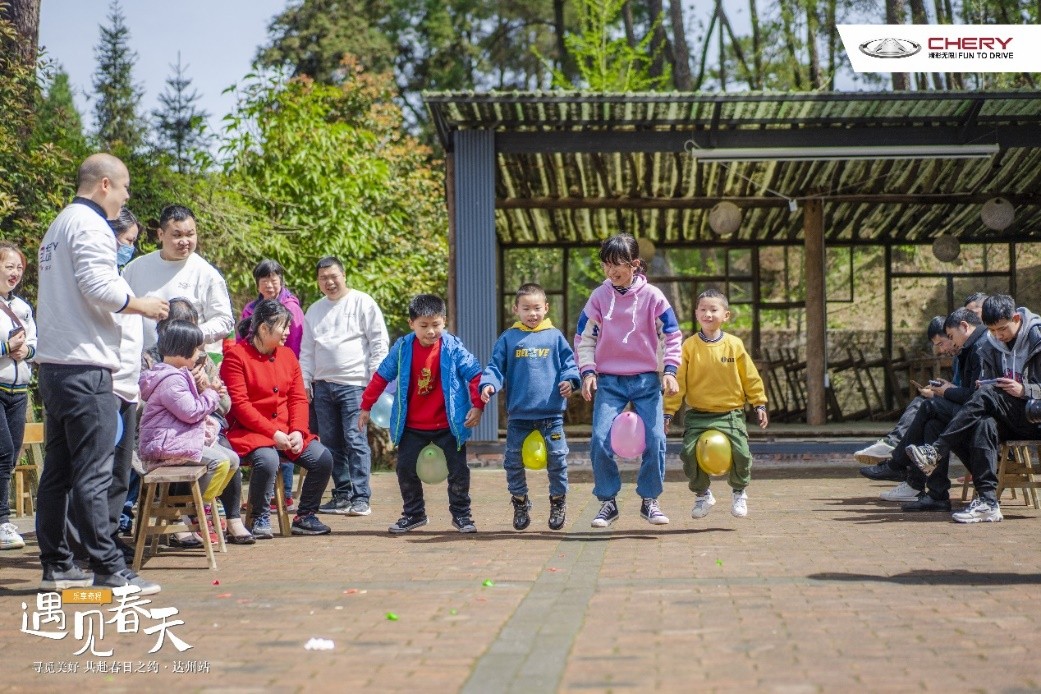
[437, 403]
[536, 363]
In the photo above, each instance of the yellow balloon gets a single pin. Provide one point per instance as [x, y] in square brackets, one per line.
[533, 451]
[713, 452]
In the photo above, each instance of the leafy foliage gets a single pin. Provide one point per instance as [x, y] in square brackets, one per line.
[331, 173]
[606, 61]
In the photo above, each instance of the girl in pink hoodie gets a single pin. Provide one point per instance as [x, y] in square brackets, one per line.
[628, 346]
[176, 428]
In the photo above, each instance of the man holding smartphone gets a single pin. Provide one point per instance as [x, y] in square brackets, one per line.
[995, 412]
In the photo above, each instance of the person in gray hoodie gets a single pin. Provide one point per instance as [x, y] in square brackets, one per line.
[1010, 376]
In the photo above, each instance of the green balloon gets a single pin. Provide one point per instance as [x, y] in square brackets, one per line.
[431, 465]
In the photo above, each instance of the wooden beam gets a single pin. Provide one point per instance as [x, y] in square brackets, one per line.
[816, 313]
[577, 203]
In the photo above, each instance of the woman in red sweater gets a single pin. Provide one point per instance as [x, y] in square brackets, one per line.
[268, 418]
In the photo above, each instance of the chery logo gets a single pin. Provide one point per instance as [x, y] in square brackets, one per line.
[969, 43]
[890, 48]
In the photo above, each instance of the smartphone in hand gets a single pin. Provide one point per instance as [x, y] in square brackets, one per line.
[933, 382]
[988, 381]
[16, 331]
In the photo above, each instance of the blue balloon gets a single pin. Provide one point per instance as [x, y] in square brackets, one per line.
[380, 413]
[119, 427]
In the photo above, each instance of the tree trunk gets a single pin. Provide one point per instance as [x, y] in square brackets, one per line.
[788, 22]
[630, 28]
[681, 76]
[757, 45]
[24, 15]
[661, 51]
[896, 10]
[833, 40]
[565, 64]
[702, 63]
[812, 22]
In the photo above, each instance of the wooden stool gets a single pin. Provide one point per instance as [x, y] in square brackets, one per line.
[285, 524]
[1018, 467]
[167, 509]
[26, 475]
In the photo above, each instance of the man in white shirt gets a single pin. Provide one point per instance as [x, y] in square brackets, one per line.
[345, 339]
[80, 293]
[176, 270]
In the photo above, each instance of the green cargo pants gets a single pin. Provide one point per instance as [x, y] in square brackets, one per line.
[732, 425]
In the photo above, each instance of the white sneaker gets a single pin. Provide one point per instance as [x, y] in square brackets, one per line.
[901, 492]
[875, 453]
[739, 508]
[979, 511]
[703, 504]
[9, 537]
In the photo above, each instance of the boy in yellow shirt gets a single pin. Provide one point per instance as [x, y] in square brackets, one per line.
[717, 377]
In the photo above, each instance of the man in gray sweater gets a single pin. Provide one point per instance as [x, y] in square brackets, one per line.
[80, 290]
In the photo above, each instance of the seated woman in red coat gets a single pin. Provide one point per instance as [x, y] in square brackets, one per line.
[268, 418]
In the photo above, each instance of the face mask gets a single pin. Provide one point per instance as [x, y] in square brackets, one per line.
[124, 254]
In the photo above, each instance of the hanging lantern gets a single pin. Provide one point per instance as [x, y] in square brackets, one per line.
[946, 248]
[998, 214]
[724, 218]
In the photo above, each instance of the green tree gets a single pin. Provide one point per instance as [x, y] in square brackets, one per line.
[180, 125]
[606, 60]
[35, 178]
[331, 172]
[119, 127]
[58, 120]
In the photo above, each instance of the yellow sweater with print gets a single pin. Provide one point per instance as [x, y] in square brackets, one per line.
[716, 376]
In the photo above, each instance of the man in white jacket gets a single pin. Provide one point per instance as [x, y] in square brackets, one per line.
[80, 292]
[345, 339]
[176, 270]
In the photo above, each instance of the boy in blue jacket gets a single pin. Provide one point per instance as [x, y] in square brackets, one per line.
[535, 359]
[437, 403]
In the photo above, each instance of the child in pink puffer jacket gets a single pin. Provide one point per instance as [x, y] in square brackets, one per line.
[173, 428]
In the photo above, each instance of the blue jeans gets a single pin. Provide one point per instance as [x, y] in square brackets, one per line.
[338, 407]
[613, 393]
[552, 430]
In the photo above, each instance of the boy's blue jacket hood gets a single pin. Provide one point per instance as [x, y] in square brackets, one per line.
[458, 367]
[532, 363]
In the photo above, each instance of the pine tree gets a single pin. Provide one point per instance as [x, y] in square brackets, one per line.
[180, 125]
[119, 128]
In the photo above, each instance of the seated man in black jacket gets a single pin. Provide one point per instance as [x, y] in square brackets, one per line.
[966, 331]
[997, 411]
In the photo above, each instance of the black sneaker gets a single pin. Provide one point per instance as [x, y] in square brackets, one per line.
[521, 506]
[464, 524]
[61, 579]
[924, 502]
[882, 472]
[557, 511]
[925, 458]
[126, 577]
[309, 525]
[608, 514]
[406, 523]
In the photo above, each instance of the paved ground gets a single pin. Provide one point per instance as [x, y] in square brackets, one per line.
[821, 588]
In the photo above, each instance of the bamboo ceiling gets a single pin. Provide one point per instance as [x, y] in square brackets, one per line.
[572, 168]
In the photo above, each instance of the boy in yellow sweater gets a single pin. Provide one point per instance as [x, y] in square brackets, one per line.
[717, 377]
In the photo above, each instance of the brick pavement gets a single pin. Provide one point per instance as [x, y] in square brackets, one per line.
[821, 588]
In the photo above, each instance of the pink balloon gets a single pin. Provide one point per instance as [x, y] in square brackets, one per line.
[628, 439]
